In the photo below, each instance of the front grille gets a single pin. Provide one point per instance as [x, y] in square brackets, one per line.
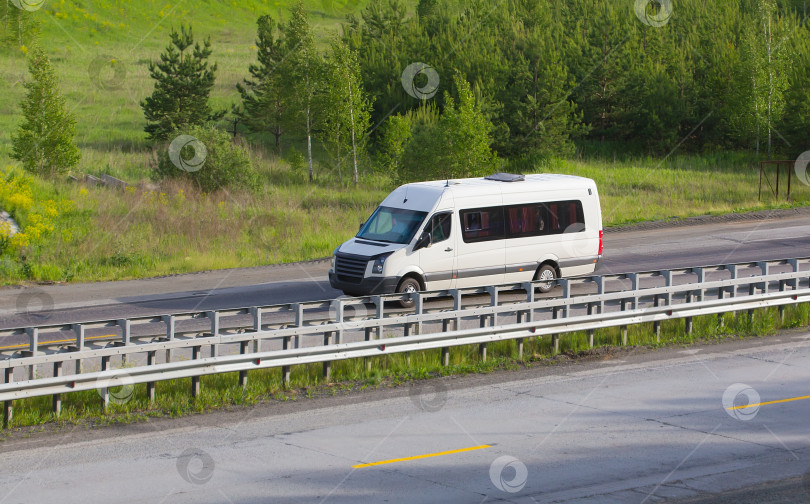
[350, 268]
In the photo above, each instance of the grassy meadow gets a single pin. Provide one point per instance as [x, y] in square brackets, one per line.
[77, 232]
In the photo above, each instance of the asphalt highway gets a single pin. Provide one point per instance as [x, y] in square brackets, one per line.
[693, 424]
[625, 251]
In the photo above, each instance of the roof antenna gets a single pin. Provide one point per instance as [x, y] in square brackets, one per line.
[406, 195]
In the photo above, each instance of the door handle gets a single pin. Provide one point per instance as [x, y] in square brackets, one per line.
[448, 249]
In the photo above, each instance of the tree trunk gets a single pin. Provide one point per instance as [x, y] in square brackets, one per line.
[354, 144]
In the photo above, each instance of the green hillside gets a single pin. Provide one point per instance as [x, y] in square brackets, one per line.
[132, 33]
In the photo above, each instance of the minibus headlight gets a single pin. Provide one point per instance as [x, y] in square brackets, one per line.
[379, 263]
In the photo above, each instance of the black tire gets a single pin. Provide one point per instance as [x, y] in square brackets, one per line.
[547, 273]
[408, 285]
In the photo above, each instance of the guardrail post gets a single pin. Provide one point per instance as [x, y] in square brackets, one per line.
[457, 307]
[285, 370]
[600, 289]
[701, 277]
[33, 346]
[214, 317]
[327, 365]
[752, 290]
[765, 268]
[243, 349]
[256, 313]
[299, 322]
[624, 327]
[8, 405]
[482, 347]
[195, 380]
[555, 338]
[420, 306]
[590, 331]
[732, 270]
[667, 274]
[529, 299]
[721, 293]
[445, 354]
[169, 321]
[126, 331]
[794, 263]
[151, 359]
[688, 319]
[493, 301]
[78, 329]
[105, 392]
[782, 307]
[57, 398]
[376, 332]
[657, 323]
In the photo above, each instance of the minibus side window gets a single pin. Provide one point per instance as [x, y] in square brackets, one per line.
[539, 219]
[439, 227]
[482, 224]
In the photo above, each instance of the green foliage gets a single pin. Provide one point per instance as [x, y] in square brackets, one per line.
[226, 165]
[303, 74]
[263, 105]
[183, 82]
[43, 143]
[18, 27]
[456, 146]
[395, 137]
[548, 73]
[345, 109]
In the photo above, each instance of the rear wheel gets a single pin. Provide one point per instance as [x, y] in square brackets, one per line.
[408, 285]
[547, 275]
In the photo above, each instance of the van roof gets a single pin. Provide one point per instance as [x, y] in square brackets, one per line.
[534, 182]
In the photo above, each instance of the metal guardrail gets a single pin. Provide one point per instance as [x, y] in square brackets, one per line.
[619, 301]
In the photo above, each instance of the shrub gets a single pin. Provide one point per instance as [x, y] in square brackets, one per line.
[209, 159]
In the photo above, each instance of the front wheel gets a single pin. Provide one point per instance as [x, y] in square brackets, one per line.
[547, 276]
[408, 285]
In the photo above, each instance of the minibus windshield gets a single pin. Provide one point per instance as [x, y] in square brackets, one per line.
[392, 225]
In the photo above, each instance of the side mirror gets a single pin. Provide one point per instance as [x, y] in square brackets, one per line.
[361, 226]
[424, 241]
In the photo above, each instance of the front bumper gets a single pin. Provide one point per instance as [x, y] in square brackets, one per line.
[367, 287]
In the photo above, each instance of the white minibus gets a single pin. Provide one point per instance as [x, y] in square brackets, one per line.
[473, 232]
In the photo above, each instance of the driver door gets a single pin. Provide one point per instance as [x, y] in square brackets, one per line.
[438, 261]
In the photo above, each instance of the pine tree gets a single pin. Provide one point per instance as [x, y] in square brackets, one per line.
[43, 143]
[183, 82]
[263, 102]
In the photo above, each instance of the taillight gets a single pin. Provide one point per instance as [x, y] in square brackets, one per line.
[601, 234]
